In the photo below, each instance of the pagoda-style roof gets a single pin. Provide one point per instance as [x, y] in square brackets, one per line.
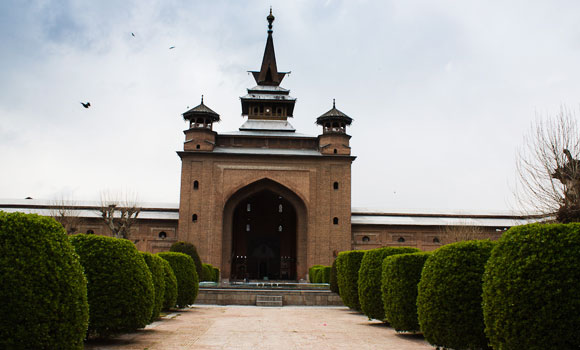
[201, 111]
[268, 74]
[334, 115]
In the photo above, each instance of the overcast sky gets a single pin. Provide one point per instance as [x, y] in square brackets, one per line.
[441, 92]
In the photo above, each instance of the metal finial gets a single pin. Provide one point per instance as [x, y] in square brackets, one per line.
[333, 103]
[270, 19]
[201, 99]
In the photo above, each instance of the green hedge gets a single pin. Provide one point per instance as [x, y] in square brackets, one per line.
[187, 279]
[155, 264]
[369, 279]
[191, 250]
[120, 286]
[216, 274]
[531, 288]
[449, 295]
[170, 296]
[43, 292]
[333, 278]
[347, 266]
[400, 277]
[207, 273]
[312, 272]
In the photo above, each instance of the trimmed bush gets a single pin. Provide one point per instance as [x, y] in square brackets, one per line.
[170, 296]
[187, 279]
[120, 286]
[400, 277]
[191, 250]
[155, 265]
[347, 266]
[311, 273]
[369, 279]
[531, 288]
[333, 278]
[216, 274]
[449, 295]
[43, 292]
[207, 273]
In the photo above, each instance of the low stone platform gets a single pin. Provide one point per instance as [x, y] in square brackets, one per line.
[248, 294]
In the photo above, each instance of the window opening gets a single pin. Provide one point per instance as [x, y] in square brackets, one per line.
[194, 218]
[335, 221]
[90, 232]
[335, 185]
[401, 240]
[195, 185]
[197, 146]
[436, 240]
[162, 235]
[280, 208]
[248, 207]
[247, 227]
[335, 151]
[280, 228]
[366, 239]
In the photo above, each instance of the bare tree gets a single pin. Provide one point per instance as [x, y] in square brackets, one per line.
[548, 168]
[462, 232]
[65, 212]
[119, 215]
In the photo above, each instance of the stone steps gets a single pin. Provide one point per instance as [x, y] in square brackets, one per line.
[269, 300]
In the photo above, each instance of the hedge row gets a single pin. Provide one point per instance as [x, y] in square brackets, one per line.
[43, 291]
[189, 249]
[186, 275]
[319, 274]
[369, 279]
[522, 292]
[209, 273]
[333, 278]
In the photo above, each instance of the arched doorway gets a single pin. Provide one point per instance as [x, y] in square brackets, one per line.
[264, 250]
[264, 238]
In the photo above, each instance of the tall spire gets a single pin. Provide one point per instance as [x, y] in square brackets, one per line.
[268, 74]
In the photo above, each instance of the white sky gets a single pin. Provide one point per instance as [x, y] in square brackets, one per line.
[441, 92]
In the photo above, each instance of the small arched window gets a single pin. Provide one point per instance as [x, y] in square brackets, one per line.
[247, 227]
[366, 239]
[194, 218]
[196, 185]
[401, 240]
[248, 207]
[162, 235]
[90, 232]
[436, 240]
[335, 221]
[335, 151]
[280, 208]
[197, 146]
[280, 228]
[335, 185]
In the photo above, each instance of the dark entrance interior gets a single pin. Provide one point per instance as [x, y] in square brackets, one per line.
[264, 238]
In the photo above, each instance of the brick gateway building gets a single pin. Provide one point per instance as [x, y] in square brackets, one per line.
[268, 202]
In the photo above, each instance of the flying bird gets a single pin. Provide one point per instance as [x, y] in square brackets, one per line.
[133, 34]
[86, 105]
[172, 47]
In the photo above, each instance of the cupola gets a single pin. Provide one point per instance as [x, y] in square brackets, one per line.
[334, 139]
[200, 135]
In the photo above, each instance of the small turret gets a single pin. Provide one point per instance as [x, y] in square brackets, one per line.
[334, 139]
[200, 135]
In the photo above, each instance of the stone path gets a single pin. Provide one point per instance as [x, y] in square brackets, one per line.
[259, 328]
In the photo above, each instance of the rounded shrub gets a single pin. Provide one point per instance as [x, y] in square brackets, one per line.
[170, 296]
[369, 279]
[449, 295]
[347, 266]
[333, 281]
[531, 288]
[400, 277]
[43, 291]
[186, 275]
[155, 265]
[120, 285]
[191, 250]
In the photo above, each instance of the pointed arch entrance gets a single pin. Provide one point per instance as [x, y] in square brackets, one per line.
[264, 233]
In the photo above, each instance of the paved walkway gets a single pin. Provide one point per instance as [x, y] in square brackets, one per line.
[258, 328]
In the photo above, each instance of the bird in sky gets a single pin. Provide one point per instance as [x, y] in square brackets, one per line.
[86, 105]
[172, 47]
[133, 34]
